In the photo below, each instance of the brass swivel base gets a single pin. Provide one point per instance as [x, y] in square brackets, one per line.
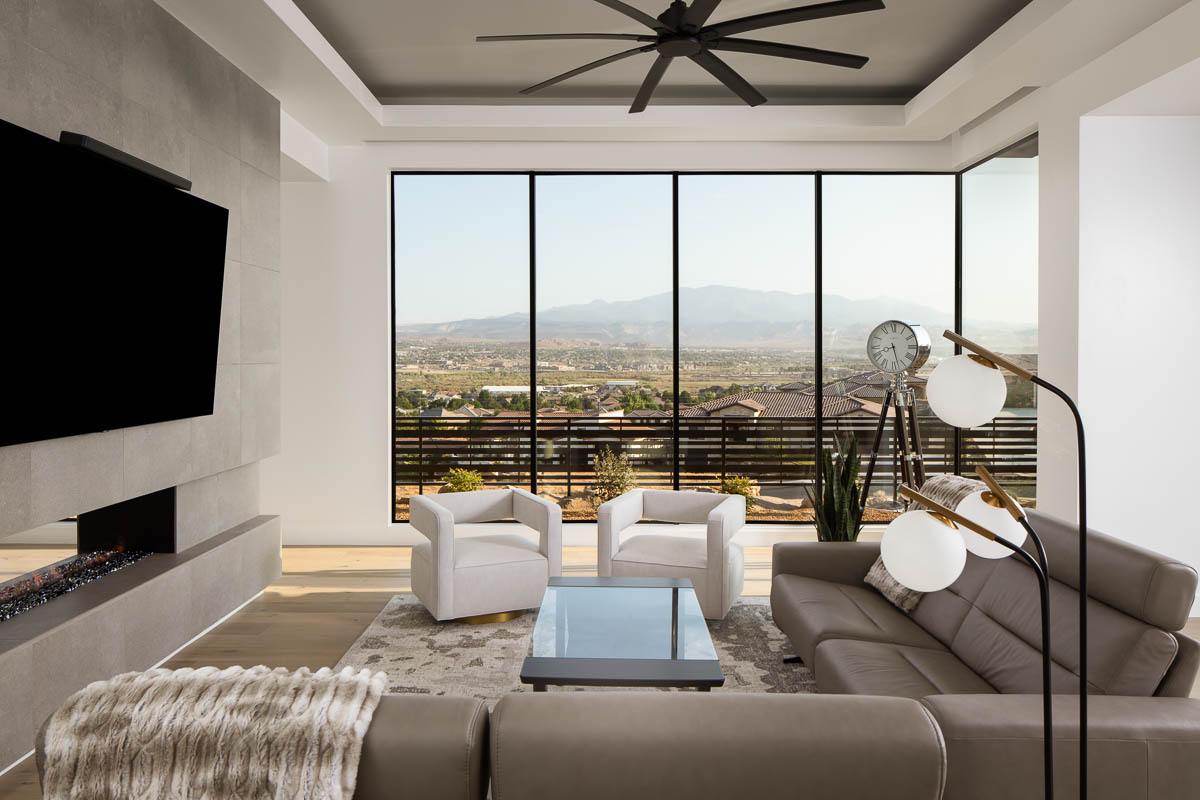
[489, 619]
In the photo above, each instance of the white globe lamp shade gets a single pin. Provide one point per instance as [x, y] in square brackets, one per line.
[922, 552]
[976, 508]
[965, 393]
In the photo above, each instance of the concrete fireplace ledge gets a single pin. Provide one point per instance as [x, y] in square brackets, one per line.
[129, 620]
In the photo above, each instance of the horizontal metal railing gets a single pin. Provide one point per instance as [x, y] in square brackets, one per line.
[769, 450]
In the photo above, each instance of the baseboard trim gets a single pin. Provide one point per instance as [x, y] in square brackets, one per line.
[15, 764]
[575, 534]
[207, 630]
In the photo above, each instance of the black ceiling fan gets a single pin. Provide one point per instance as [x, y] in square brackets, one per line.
[682, 31]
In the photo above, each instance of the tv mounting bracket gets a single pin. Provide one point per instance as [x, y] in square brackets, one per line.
[103, 150]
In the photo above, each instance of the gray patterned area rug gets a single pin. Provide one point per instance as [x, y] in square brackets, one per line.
[423, 656]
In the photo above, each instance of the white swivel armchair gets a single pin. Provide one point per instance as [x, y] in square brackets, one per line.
[483, 575]
[714, 564]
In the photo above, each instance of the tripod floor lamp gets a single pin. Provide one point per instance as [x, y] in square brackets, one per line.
[969, 390]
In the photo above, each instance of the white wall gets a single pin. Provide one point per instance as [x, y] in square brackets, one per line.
[332, 483]
[1139, 288]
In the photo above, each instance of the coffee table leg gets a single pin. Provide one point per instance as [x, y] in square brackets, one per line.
[539, 687]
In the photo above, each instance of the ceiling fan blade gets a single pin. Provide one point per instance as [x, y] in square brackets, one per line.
[789, 15]
[725, 74]
[699, 12]
[533, 37]
[631, 12]
[788, 51]
[650, 84]
[580, 70]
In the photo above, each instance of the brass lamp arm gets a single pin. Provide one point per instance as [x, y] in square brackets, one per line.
[1010, 505]
[911, 494]
[979, 350]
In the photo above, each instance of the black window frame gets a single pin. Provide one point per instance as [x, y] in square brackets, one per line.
[818, 285]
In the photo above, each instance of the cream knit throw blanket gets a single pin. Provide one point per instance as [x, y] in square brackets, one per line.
[231, 734]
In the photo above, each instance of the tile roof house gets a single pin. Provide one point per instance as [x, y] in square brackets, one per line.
[772, 404]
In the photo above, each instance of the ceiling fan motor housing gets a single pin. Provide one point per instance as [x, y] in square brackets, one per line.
[678, 46]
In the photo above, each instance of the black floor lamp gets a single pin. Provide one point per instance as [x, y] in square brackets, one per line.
[969, 390]
[923, 550]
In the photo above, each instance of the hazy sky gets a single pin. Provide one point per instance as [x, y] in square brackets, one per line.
[462, 241]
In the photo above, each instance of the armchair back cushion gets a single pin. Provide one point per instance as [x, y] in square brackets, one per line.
[490, 505]
[669, 506]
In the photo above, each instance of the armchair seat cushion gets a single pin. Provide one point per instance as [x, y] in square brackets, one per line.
[846, 666]
[670, 551]
[811, 610]
[479, 551]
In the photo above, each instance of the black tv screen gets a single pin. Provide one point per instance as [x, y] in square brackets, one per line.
[111, 304]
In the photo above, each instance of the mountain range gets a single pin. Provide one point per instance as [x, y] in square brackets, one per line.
[712, 316]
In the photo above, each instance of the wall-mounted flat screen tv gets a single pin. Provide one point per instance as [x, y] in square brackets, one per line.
[110, 305]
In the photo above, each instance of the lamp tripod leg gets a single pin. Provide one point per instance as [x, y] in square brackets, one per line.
[918, 453]
[866, 487]
[902, 443]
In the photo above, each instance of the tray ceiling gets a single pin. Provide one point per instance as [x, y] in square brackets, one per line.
[416, 51]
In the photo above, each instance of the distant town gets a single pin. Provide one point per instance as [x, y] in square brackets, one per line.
[455, 378]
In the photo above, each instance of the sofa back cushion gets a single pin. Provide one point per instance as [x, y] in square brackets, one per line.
[654, 745]
[990, 617]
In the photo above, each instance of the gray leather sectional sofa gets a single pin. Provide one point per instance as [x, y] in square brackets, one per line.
[649, 746]
[970, 654]
[942, 702]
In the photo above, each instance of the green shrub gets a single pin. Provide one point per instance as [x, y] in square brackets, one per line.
[462, 480]
[838, 515]
[743, 485]
[614, 475]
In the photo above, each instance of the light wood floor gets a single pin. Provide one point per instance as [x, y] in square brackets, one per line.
[325, 598]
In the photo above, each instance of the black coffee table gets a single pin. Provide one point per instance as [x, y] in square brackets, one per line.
[621, 632]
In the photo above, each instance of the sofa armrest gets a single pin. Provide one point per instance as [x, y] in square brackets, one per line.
[613, 517]
[839, 562]
[545, 518]
[1140, 747]
[415, 747]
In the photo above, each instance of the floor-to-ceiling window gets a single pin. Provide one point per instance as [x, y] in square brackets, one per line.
[461, 301]
[604, 333]
[888, 246]
[1000, 305]
[695, 330]
[747, 363]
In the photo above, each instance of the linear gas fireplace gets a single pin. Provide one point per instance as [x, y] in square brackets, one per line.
[44, 584]
[107, 540]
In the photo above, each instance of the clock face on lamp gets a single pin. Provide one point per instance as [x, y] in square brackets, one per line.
[896, 346]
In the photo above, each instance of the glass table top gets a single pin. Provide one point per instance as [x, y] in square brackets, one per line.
[622, 622]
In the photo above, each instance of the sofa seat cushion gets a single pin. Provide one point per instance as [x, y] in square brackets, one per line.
[845, 666]
[667, 551]
[810, 610]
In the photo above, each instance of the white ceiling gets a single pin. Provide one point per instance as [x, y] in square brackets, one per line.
[423, 51]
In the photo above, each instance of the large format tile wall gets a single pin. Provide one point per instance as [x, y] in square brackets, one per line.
[129, 74]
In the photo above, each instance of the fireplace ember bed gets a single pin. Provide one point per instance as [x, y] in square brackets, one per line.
[44, 584]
